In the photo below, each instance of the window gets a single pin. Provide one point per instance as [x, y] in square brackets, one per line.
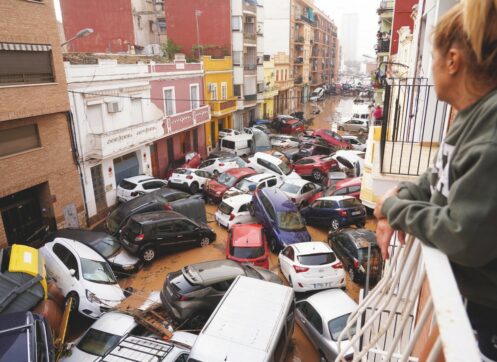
[213, 91]
[289, 253]
[136, 110]
[354, 189]
[194, 96]
[237, 58]
[169, 106]
[312, 316]
[162, 25]
[244, 208]
[19, 139]
[151, 26]
[272, 182]
[153, 185]
[25, 64]
[167, 227]
[236, 23]
[342, 191]
[67, 258]
[183, 225]
[94, 117]
[237, 90]
[224, 91]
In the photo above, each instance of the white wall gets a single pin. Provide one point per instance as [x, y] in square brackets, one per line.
[277, 27]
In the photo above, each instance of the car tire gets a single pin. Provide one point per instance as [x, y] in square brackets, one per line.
[198, 321]
[194, 187]
[317, 175]
[352, 275]
[204, 242]
[334, 224]
[272, 245]
[75, 301]
[252, 209]
[148, 254]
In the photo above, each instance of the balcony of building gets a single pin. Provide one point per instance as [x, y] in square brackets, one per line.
[270, 91]
[383, 46]
[299, 39]
[299, 80]
[249, 30]
[385, 6]
[223, 107]
[299, 61]
[250, 7]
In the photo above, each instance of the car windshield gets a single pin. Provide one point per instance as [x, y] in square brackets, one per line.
[350, 203]
[337, 325]
[226, 179]
[97, 271]
[290, 220]
[247, 253]
[317, 259]
[107, 246]
[285, 168]
[98, 342]
[244, 185]
[290, 188]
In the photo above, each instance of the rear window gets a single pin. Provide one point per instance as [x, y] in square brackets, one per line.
[127, 185]
[225, 208]
[97, 342]
[290, 188]
[226, 179]
[317, 259]
[182, 171]
[134, 226]
[350, 203]
[246, 253]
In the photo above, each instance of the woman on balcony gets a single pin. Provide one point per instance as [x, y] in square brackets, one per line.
[453, 206]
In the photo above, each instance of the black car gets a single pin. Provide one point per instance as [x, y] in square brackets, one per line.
[158, 200]
[25, 336]
[149, 233]
[121, 262]
[192, 293]
[352, 247]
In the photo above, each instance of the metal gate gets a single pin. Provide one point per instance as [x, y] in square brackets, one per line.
[126, 166]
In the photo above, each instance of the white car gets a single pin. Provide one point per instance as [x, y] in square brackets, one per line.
[322, 317]
[284, 141]
[356, 143]
[299, 190]
[311, 265]
[263, 162]
[80, 272]
[191, 179]
[228, 132]
[135, 186]
[252, 183]
[217, 166]
[235, 210]
[350, 159]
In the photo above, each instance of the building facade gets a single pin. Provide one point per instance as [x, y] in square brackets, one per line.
[40, 184]
[285, 100]
[267, 108]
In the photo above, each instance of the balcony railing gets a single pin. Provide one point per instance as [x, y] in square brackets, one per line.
[250, 67]
[383, 46]
[222, 106]
[307, 20]
[250, 97]
[415, 313]
[299, 39]
[24, 78]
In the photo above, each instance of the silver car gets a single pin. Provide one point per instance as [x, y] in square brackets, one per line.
[322, 317]
[355, 125]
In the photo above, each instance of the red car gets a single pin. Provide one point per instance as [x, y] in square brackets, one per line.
[288, 125]
[315, 166]
[247, 244]
[216, 188]
[332, 138]
[191, 160]
[349, 186]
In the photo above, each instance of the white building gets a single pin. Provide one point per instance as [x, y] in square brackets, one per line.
[114, 123]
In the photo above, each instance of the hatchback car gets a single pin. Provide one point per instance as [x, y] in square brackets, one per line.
[150, 233]
[280, 217]
[335, 212]
[247, 244]
[288, 125]
[354, 248]
[215, 166]
[311, 266]
[251, 183]
[301, 192]
[322, 317]
[356, 143]
[316, 167]
[81, 273]
[190, 179]
[349, 187]
[121, 262]
[359, 126]
[215, 189]
[192, 293]
[132, 187]
[332, 138]
[263, 162]
[234, 210]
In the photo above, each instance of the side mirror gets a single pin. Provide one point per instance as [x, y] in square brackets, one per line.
[72, 272]
[252, 188]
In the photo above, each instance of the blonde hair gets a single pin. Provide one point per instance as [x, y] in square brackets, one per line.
[471, 25]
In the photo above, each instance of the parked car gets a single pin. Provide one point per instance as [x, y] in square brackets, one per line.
[81, 273]
[288, 125]
[121, 262]
[347, 187]
[360, 126]
[240, 145]
[332, 138]
[135, 186]
[215, 189]
[284, 141]
[228, 132]
[25, 336]
[313, 148]
[218, 153]
[234, 210]
[151, 233]
[192, 293]
[190, 160]
[260, 122]
[251, 183]
[317, 95]
[280, 217]
[322, 317]
[316, 167]
[350, 161]
[247, 244]
[215, 166]
[278, 154]
[190, 179]
[301, 192]
[356, 143]
[335, 212]
[311, 266]
[264, 163]
[162, 199]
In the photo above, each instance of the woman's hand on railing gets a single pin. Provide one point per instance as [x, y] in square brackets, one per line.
[379, 204]
[384, 233]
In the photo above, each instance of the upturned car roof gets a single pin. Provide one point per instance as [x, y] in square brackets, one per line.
[279, 199]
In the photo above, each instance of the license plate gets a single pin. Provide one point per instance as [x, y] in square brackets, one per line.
[175, 180]
[356, 213]
[322, 285]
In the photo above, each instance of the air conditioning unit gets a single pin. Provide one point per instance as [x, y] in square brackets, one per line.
[114, 107]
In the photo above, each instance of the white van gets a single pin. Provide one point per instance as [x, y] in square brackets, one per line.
[253, 322]
[240, 145]
[266, 163]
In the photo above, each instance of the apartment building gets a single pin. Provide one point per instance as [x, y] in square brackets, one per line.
[39, 182]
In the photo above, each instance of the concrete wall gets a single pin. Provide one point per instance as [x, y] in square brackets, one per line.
[277, 27]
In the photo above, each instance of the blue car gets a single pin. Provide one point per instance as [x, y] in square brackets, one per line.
[335, 212]
[280, 218]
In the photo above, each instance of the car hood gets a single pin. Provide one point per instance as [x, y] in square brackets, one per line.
[217, 187]
[122, 257]
[110, 294]
[292, 237]
[294, 175]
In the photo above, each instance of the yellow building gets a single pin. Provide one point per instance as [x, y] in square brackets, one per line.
[267, 108]
[218, 93]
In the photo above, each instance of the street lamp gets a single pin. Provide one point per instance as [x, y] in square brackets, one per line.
[81, 34]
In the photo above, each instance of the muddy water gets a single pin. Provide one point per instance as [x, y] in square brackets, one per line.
[331, 110]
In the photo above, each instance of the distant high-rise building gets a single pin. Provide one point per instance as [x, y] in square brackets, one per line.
[349, 36]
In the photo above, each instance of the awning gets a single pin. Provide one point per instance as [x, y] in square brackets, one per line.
[26, 47]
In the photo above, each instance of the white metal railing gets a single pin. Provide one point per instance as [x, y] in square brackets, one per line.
[415, 313]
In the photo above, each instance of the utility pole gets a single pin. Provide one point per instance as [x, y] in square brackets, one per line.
[197, 14]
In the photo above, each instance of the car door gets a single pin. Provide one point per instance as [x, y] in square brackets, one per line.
[303, 167]
[313, 212]
[287, 258]
[202, 177]
[306, 191]
[165, 235]
[63, 261]
[186, 232]
[312, 323]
